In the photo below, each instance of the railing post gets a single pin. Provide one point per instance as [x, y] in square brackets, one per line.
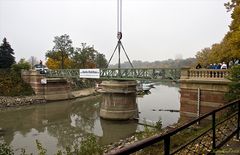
[167, 145]
[185, 73]
[238, 122]
[213, 132]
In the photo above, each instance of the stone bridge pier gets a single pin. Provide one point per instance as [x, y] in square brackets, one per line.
[50, 89]
[202, 90]
[119, 100]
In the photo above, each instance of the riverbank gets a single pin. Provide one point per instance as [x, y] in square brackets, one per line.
[148, 132]
[17, 101]
[6, 101]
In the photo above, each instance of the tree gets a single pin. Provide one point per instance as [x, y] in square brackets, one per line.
[61, 50]
[84, 57]
[234, 86]
[101, 61]
[232, 38]
[228, 50]
[6, 55]
[203, 57]
[22, 64]
[53, 64]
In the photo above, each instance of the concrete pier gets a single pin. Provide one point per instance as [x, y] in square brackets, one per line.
[119, 100]
[52, 89]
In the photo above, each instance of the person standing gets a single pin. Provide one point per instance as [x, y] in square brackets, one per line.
[198, 66]
[224, 66]
[40, 62]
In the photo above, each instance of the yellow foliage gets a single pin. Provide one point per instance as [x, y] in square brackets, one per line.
[55, 64]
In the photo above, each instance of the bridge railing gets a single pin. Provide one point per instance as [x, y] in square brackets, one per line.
[140, 73]
[203, 135]
[201, 74]
[123, 73]
[59, 73]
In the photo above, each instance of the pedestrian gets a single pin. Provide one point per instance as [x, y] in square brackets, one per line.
[219, 66]
[198, 66]
[214, 66]
[224, 65]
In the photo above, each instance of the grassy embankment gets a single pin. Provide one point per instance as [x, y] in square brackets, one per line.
[11, 84]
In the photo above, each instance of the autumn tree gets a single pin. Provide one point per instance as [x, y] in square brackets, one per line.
[53, 64]
[228, 50]
[64, 55]
[61, 50]
[6, 55]
[203, 57]
[232, 38]
[84, 57]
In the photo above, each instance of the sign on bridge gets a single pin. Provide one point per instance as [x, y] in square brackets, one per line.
[90, 73]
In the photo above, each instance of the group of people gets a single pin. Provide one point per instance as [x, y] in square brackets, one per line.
[218, 66]
[214, 66]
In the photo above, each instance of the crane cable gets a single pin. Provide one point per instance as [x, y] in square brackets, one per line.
[119, 19]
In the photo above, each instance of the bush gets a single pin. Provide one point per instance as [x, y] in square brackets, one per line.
[11, 84]
[234, 86]
[22, 64]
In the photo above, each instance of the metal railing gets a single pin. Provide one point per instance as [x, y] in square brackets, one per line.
[214, 137]
[123, 73]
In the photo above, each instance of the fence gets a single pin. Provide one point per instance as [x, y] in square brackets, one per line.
[190, 139]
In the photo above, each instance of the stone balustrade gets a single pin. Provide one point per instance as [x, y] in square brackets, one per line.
[204, 74]
[202, 90]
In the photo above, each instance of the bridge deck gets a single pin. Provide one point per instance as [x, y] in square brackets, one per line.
[123, 73]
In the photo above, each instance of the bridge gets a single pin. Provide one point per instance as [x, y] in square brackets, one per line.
[122, 73]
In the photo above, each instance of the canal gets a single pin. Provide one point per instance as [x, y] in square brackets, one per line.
[60, 124]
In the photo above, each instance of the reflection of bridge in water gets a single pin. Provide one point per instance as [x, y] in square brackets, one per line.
[123, 73]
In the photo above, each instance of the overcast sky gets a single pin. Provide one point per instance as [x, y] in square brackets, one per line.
[152, 29]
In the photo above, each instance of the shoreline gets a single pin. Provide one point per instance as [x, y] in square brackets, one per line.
[7, 102]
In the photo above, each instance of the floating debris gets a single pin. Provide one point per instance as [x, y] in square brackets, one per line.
[170, 110]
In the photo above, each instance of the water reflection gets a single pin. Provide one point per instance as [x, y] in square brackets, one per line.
[115, 130]
[60, 124]
[163, 96]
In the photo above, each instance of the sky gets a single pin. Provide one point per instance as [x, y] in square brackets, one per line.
[153, 30]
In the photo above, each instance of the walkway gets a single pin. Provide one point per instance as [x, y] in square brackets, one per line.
[217, 128]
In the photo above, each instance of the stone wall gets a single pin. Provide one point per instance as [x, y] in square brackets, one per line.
[211, 89]
[34, 79]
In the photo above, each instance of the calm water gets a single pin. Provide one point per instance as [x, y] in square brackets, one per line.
[60, 124]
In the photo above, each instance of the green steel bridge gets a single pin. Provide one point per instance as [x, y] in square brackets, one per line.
[156, 74]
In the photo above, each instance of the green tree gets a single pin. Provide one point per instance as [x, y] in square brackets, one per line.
[61, 50]
[234, 86]
[84, 57]
[101, 61]
[6, 55]
[22, 64]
